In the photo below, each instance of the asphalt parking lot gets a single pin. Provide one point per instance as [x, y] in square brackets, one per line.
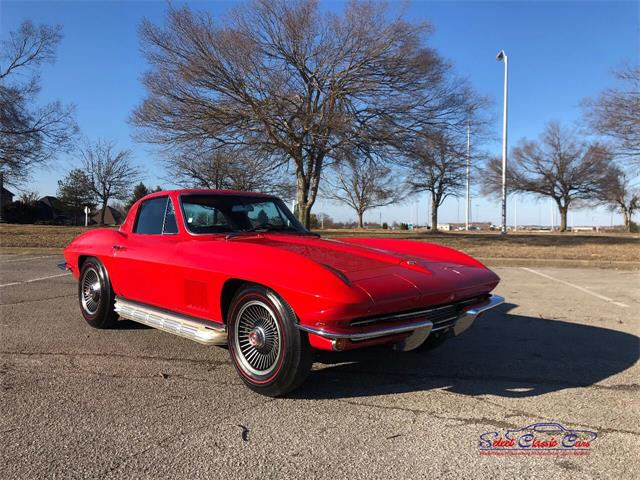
[134, 402]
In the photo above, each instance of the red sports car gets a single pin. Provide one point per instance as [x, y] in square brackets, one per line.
[238, 268]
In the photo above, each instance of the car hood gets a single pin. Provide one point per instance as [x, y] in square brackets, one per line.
[389, 277]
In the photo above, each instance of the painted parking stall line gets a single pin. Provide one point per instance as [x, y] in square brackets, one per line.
[35, 279]
[577, 287]
[25, 259]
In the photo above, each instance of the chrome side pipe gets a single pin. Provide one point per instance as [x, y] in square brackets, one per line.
[201, 331]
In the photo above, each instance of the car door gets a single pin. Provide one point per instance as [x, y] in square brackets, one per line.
[141, 260]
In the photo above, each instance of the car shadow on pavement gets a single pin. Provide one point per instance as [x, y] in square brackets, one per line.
[503, 354]
[123, 324]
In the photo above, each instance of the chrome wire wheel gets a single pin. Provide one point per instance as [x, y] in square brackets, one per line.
[91, 291]
[257, 338]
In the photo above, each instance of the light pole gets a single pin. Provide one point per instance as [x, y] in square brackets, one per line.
[502, 56]
[468, 206]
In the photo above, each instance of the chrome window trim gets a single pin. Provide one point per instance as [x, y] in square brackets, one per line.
[164, 219]
[184, 223]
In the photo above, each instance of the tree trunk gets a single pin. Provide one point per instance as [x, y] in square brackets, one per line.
[360, 220]
[627, 219]
[306, 192]
[1, 188]
[302, 210]
[434, 213]
[306, 216]
[563, 217]
[104, 209]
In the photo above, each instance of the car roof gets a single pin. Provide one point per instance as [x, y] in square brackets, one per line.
[204, 191]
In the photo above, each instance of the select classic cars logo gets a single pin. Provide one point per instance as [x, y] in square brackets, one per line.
[538, 439]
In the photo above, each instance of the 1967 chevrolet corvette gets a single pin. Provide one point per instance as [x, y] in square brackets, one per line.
[229, 267]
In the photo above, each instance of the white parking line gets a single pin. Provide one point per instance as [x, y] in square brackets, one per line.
[578, 287]
[25, 259]
[34, 280]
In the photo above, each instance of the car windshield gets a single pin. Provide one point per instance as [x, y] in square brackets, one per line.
[237, 214]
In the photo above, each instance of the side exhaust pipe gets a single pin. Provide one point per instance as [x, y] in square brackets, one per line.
[206, 333]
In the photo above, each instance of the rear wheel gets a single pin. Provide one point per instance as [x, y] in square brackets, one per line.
[95, 295]
[271, 355]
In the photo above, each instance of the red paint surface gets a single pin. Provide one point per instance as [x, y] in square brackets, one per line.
[384, 275]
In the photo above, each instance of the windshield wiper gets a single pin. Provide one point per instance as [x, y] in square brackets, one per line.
[269, 227]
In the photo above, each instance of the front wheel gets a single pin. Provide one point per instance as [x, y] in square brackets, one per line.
[271, 355]
[95, 295]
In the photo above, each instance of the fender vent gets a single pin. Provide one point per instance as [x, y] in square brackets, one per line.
[195, 294]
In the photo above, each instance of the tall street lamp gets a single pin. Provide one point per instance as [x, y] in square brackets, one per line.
[502, 56]
[468, 206]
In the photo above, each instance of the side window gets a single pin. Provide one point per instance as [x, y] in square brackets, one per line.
[151, 217]
[170, 224]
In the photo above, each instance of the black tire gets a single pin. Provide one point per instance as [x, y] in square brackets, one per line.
[272, 356]
[433, 341]
[95, 295]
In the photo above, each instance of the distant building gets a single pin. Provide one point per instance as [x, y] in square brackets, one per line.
[6, 197]
[50, 210]
[111, 216]
[451, 227]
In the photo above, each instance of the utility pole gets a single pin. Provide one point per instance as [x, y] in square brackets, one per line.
[515, 214]
[502, 56]
[468, 206]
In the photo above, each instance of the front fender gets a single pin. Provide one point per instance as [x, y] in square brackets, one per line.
[98, 243]
[315, 292]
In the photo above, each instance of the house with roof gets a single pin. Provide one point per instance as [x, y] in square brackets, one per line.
[6, 197]
[111, 216]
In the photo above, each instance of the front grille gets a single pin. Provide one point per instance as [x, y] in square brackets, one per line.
[442, 316]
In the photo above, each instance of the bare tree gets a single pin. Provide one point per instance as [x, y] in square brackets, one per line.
[197, 165]
[559, 165]
[437, 164]
[298, 84]
[29, 197]
[362, 185]
[111, 172]
[615, 113]
[618, 193]
[30, 135]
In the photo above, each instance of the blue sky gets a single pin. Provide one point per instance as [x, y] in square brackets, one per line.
[559, 53]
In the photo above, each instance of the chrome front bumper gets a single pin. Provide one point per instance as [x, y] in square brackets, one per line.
[420, 328]
[468, 317]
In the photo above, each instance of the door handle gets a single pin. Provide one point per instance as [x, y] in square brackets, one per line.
[118, 247]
